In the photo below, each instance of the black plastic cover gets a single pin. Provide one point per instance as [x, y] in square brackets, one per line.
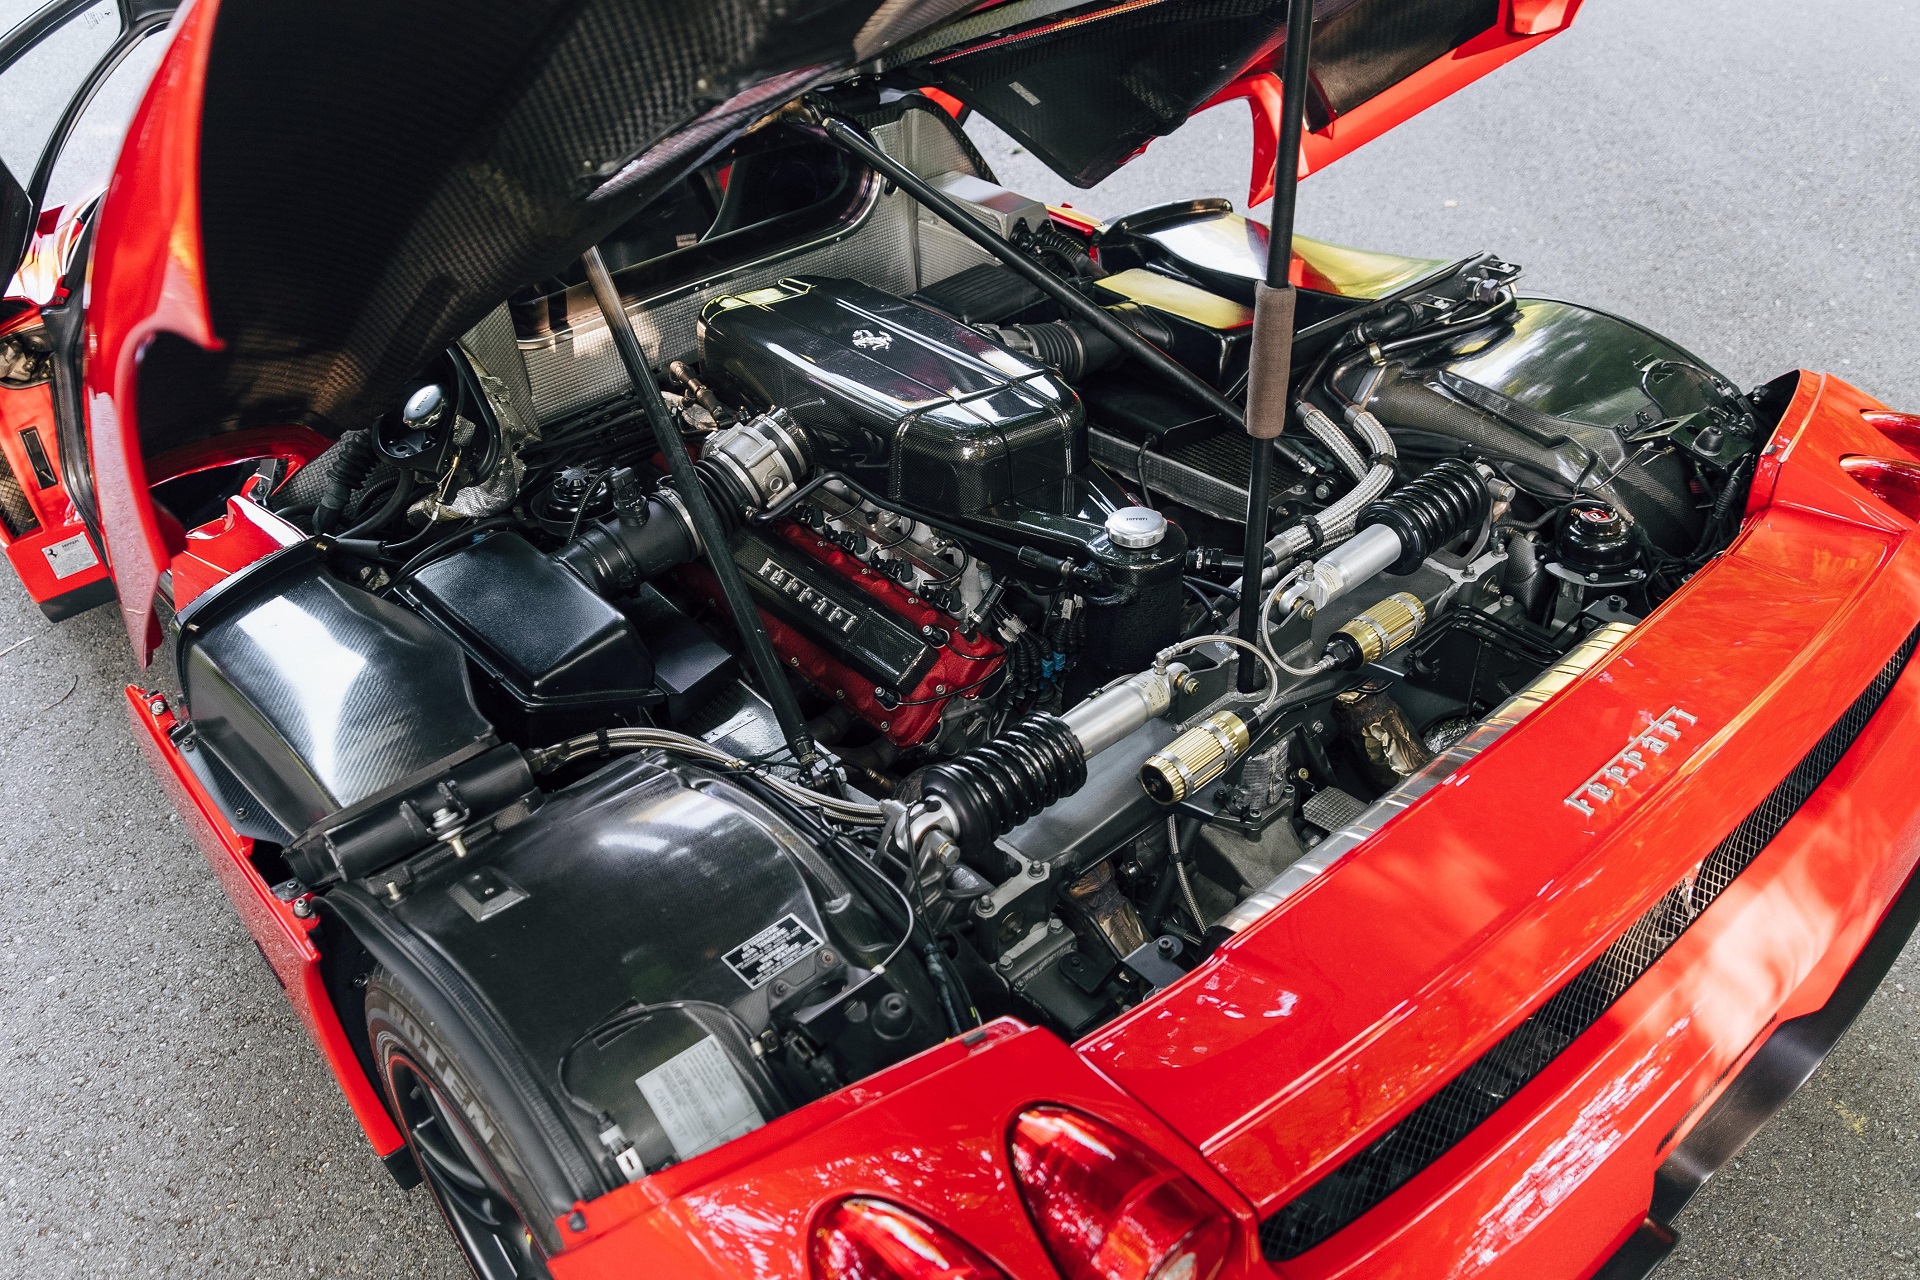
[561, 655]
[911, 401]
[641, 885]
[318, 696]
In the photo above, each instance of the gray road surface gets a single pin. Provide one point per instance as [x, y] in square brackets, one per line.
[1740, 174]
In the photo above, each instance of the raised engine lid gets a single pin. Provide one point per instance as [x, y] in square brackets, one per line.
[314, 198]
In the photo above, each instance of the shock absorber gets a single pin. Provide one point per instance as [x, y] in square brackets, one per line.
[1397, 532]
[992, 789]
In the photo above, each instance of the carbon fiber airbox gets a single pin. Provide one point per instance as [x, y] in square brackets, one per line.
[908, 401]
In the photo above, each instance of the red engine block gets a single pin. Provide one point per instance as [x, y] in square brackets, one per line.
[961, 667]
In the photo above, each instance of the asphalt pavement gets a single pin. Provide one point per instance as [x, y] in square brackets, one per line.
[1739, 174]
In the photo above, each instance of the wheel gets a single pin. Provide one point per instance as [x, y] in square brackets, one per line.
[464, 1155]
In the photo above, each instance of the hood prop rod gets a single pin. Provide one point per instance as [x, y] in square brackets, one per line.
[706, 522]
[1270, 368]
[1070, 299]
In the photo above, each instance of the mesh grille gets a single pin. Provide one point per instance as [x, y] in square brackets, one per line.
[15, 512]
[1464, 1102]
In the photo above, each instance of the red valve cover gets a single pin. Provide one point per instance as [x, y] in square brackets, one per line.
[962, 667]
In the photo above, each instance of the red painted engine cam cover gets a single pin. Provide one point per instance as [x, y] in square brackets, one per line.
[961, 667]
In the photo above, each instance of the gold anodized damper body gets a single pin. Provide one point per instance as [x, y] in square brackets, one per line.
[1195, 758]
[1379, 631]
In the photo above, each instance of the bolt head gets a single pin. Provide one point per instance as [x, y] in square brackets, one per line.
[158, 706]
[303, 906]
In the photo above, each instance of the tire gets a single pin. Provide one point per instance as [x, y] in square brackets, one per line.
[467, 1162]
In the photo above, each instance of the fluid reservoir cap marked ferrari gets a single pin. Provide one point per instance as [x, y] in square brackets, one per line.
[1136, 527]
[423, 406]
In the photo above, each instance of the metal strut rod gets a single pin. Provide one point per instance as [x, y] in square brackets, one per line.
[1069, 298]
[713, 538]
[1271, 370]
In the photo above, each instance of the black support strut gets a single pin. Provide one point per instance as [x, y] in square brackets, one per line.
[1271, 371]
[706, 523]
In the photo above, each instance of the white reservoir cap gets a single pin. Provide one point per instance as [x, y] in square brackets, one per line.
[1136, 527]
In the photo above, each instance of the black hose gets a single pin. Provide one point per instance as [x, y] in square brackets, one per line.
[396, 501]
[352, 460]
[746, 619]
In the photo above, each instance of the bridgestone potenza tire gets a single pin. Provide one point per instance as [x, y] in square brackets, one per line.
[469, 1166]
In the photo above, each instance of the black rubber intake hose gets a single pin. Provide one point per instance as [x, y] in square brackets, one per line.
[994, 788]
[1074, 348]
[349, 463]
[1452, 499]
[616, 556]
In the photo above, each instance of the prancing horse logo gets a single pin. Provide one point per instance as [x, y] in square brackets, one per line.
[868, 340]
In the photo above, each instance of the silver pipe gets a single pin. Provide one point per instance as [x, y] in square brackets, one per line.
[1119, 709]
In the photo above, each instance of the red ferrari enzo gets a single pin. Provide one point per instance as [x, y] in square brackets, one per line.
[782, 709]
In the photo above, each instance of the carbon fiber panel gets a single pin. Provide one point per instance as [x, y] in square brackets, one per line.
[317, 695]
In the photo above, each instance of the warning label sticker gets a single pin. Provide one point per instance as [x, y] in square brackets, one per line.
[772, 949]
[70, 556]
[699, 1100]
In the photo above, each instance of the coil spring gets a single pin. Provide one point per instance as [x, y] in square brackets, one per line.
[994, 788]
[1430, 511]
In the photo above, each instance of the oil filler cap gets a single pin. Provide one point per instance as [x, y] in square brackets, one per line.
[1136, 527]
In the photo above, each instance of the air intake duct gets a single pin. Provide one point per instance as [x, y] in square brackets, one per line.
[743, 468]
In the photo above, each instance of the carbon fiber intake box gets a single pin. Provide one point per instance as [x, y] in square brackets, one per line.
[908, 401]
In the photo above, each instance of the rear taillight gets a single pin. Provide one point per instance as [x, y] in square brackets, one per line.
[1901, 428]
[1108, 1209]
[864, 1239]
[1895, 483]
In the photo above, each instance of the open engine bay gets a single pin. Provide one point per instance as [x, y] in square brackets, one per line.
[1007, 766]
